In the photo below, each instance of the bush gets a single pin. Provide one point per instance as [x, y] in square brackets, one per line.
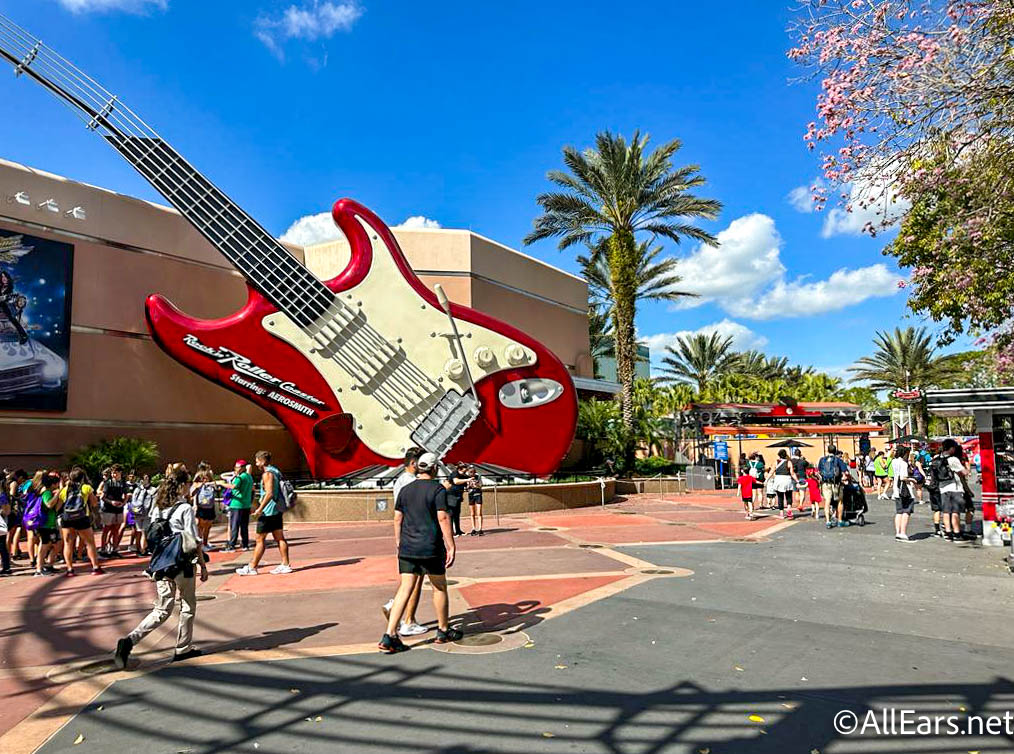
[654, 465]
[132, 453]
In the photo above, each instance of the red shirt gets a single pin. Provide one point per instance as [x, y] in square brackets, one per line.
[745, 483]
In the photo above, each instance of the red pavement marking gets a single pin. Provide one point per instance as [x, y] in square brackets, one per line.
[331, 573]
[531, 563]
[593, 519]
[499, 601]
[696, 515]
[22, 698]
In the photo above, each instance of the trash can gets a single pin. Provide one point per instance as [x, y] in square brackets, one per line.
[700, 478]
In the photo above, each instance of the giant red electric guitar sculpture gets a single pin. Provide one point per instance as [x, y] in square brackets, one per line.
[358, 368]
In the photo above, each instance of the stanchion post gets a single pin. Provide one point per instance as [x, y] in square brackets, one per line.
[602, 488]
[496, 506]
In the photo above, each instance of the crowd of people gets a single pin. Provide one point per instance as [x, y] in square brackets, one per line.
[908, 475]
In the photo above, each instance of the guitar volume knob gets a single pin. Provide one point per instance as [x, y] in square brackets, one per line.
[516, 354]
[455, 369]
[484, 356]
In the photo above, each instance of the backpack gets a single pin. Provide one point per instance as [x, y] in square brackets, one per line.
[76, 507]
[830, 469]
[167, 557]
[206, 496]
[284, 492]
[159, 529]
[941, 471]
[34, 515]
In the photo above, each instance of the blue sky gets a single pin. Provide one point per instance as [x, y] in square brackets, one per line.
[455, 111]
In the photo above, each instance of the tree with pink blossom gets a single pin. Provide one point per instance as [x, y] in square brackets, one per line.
[916, 101]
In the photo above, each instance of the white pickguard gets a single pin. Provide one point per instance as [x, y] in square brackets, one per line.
[394, 310]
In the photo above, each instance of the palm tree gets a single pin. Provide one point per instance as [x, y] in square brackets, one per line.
[760, 365]
[906, 359]
[699, 360]
[612, 193]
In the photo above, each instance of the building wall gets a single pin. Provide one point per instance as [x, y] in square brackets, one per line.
[121, 383]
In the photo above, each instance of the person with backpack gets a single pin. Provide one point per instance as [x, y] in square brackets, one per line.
[113, 499]
[47, 533]
[142, 499]
[5, 511]
[832, 469]
[901, 493]
[15, 529]
[272, 505]
[784, 483]
[949, 472]
[33, 515]
[202, 492]
[77, 501]
[239, 491]
[173, 529]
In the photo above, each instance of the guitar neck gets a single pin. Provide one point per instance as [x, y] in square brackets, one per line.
[261, 259]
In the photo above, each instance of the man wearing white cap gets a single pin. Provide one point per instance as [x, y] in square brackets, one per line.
[425, 543]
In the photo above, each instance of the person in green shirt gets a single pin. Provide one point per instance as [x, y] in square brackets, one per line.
[48, 534]
[880, 472]
[240, 500]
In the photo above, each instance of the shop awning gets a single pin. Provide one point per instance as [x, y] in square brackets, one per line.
[795, 429]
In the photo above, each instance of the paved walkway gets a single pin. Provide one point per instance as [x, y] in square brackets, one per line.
[58, 632]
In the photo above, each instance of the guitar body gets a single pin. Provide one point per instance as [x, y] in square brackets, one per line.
[343, 424]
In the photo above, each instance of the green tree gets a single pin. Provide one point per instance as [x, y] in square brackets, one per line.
[610, 194]
[906, 358]
[133, 453]
[698, 360]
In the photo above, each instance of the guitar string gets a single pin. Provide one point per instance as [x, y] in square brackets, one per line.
[208, 222]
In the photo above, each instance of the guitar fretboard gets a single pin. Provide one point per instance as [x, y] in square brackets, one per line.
[263, 260]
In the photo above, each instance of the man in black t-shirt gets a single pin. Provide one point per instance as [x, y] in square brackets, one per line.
[425, 543]
[113, 497]
[800, 465]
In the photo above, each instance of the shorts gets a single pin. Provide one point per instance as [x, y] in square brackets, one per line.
[904, 505]
[269, 524]
[434, 566]
[48, 536]
[784, 483]
[934, 499]
[208, 514]
[952, 502]
[830, 492]
[748, 499]
[475, 499]
[77, 524]
[111, 519]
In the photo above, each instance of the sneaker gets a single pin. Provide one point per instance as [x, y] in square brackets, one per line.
[451, 634]
[788, 513]
[390, 644]
[386, 609]
[187, 655]
[473, 533]
[281, 569]
[97, 572]
[246, 571]
[411, 629]
[829, 524]
[122, 653]
[939, 533]
[69, 572]
[6, 572]
[38, 573]
[904, 538]
[481, 533]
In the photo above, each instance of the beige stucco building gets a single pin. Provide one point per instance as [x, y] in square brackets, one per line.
[121, 383]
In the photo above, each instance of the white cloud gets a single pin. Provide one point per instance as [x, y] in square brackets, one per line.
[802, 298]
[745, 276]
[746, 259]
[743, 338]
[801, 199]
[418, 221]
[310, 21]
[870, 204]
[131, 6]
[320, 228]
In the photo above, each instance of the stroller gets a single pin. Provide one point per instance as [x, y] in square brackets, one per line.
[854, 507]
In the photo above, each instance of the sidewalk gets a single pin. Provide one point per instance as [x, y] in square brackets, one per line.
[529, 569]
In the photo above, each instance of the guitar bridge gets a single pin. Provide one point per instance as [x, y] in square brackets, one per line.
[446, 422]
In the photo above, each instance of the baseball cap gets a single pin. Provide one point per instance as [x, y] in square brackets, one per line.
[240, 462]
[426, 462]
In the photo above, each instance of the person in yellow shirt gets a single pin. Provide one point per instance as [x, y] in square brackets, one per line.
[77, 501]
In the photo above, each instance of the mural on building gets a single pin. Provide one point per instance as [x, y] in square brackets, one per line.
[35, 281]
